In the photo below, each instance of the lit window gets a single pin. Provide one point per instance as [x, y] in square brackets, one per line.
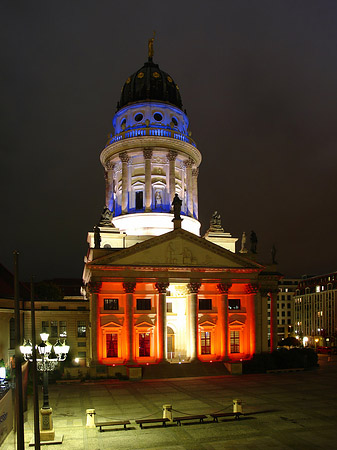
[234, 303]
[144, 344]
[205, 337]
[81, 329]
[112, 345]
[111, 304]
[235, 341]
[63, 328]
[318, 288]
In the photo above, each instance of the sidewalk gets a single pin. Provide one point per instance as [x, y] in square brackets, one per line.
[290, 410]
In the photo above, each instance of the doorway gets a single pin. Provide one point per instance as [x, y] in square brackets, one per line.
[170, 344]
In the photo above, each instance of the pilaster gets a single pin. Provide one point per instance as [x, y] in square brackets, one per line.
[147, 152]
[223, 289]
[93, 288]
[129, 289]
[193, 289]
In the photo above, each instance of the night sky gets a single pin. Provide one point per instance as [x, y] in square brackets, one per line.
[258, 80]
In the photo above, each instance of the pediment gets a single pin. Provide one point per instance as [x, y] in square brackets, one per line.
[178, 248]
[237, 319]
[110, 321]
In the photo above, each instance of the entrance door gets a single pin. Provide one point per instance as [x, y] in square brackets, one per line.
[170, 343]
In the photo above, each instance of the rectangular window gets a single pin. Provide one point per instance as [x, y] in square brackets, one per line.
[82, 354]
[53, 328]
[205, 337]
[111, 304]
[81, 308]
[144, 344]
[44, 308]
[169, 307]
[81, 344]
[234, 303]
[143, 304]
[112, 345]
[63, 328]
[205, 304]
[62, 308]
[235, 341]
[81, 329]
[139, 200]
[45, 326]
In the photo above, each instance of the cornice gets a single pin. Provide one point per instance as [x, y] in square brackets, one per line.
[138, 143]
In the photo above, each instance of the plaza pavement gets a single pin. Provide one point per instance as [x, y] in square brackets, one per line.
[296, 410]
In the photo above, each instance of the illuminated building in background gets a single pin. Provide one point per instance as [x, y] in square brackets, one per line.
[157, 290]
[315, 313]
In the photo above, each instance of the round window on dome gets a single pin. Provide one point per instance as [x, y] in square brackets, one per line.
[175, 121]
[123, 122]
[158, 117]
[138, 117]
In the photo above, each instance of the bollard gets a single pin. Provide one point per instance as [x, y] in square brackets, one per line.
[90, 418]
[237, 407]
[167, 412]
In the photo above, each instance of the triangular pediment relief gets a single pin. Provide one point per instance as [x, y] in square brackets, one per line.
[110, 321]
[206, 323]
[237, 319]
[178, 248]
[144, 325]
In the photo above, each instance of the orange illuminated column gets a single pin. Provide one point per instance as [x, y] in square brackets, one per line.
[253, 290]
[223, 288]
[193, 289]
[129, 288]
[273, 320]
[161, 321]
[93, 288]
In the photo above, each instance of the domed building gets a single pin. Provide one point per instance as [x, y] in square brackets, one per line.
[158, 291]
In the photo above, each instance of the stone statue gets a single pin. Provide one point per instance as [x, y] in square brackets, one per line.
[150, 46]
[253, 242]
[215, 222]
[243, 243]
[176, 207]
[158, 200]
[97, 237]
[273, 254]
[106, 217]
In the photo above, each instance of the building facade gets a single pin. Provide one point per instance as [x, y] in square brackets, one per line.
[159, 292]
[315, 314]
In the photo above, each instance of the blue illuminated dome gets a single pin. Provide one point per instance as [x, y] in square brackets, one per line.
[150, 83]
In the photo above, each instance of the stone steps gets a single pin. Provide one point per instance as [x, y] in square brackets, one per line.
[195, 369]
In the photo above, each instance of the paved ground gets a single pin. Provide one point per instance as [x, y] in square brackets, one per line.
[290, 411]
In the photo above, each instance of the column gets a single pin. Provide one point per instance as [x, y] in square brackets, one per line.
[273, 319]
[147, 152]
[161, 321]
[253, 291]
[93, 289]
[125, 181]
[129, 288]
[223, 289]
[189, 187]
[195, 173]
[109, 167]
[171, 157]
[193, 289]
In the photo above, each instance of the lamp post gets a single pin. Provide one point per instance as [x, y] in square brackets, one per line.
[46, 364]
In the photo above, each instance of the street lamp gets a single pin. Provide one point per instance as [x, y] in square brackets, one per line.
[46, 364]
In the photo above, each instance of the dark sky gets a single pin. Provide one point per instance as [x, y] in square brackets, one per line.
[258, 80]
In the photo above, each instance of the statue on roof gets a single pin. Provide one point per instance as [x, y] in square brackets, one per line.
[243, 243]
[150, 46]
[253, 242]
[215, 222]
[106, 218]
[176, 207]
[97, 237]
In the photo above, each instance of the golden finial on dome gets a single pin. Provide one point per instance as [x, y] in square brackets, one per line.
[150, 46]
